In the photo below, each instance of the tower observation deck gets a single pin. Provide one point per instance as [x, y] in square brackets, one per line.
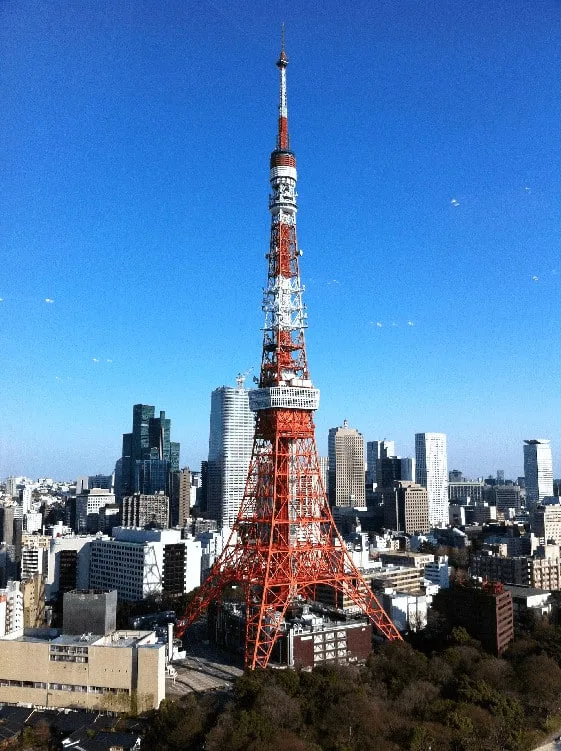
[284, 543]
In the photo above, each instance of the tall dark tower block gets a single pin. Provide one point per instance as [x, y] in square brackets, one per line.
[148, 454]
[284, 542]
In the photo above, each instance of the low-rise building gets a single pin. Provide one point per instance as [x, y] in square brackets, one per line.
[407, 610]
[529, 599]
[437, 571]
[119, 672]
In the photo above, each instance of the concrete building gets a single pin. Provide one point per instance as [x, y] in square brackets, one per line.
[32, 521]
[185, 495]
[346, 467]
[134, 563]
[438, 572]
[33, 592]
[68, 564]
[88, 505]
[463, 493]
[11, 609]
[33, 561]
[432, 473]
[398, 578]
[119, 672]
[405, 558]
[529, 599]
[546, 523]
[538, 471]
[507, 497]
[545, 572]
[146, 510]
[87, 611]
[506, 569]
[406, 508]
[408, 610]
[310, 637]
[232, 427]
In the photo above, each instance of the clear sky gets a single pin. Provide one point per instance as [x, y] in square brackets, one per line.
[135, 138]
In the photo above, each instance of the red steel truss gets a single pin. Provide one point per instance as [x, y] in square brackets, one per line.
[284, 543]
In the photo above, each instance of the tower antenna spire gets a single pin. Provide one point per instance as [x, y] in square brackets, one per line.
[283, 141]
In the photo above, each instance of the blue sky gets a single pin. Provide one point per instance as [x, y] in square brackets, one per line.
[135, 139]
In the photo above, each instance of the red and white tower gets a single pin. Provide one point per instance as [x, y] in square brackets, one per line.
[284, 542]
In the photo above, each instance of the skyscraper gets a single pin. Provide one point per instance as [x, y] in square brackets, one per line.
[375, 452]
[148, 453]
[432, 473]
[232, 425]
[538, 470]
[346, 467]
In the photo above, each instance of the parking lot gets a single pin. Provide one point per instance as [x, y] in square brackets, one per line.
[205, 668]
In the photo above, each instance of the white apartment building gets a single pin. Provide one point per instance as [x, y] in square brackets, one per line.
[546, 523]
[133, 562]
[438, 571]
[88, 504]
[11, 609]
[68, 565]
[347, 485]
[212, 544]
[432, 473]
[408, 610]
[232, 427]
[538, 471]
[32, 521]
[33, 561]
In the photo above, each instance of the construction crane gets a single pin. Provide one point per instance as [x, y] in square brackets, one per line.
[240, 378]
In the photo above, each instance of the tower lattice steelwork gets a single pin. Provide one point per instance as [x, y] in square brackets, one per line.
[284, 542]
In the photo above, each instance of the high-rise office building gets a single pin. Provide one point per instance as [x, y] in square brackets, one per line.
[148, 453]
[232, 425]
[184, 496]
[346, 467]
[432, 473]
[538, 470]
[406, 508]
[375, 452]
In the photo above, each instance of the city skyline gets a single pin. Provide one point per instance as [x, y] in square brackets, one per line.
[429, 240]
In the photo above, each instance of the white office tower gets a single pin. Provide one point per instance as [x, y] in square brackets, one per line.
[26, 497]
[432, 473]
[346, 467]
[232, 425]
[538, 471]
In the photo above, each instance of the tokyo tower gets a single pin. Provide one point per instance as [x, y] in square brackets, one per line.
[284, 542]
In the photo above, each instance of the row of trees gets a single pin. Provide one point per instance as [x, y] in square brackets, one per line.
[457, 698]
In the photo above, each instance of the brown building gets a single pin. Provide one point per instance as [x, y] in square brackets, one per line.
[143, 510]
[506, 569]
[406, 508]
[339, 643]
[184, 496]
[33, 591]
[485, 611]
